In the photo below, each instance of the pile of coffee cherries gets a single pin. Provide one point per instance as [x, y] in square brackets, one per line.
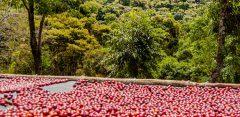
[110, 98]
[14, 84]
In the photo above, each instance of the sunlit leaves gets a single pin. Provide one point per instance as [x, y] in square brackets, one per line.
[90, 8]
[68, 39]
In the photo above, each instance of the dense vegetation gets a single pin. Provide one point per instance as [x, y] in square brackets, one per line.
[163, 39]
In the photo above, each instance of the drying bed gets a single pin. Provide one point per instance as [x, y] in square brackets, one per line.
[111, 98]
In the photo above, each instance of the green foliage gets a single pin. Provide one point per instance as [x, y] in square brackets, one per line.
[44, 7]
[68, 38]
[90, 8]
[92, 65]
[139, 3]
[234, 28]
[198, 45]
[101, 32]
[194, 59]
[183, 0]
[163, 4]
[14, 53]
[231, 72]
[2, 42]
[116, 9]
[22, 61]
[183, 6]
[134, 47]
[170, 68]
[178, 16]
[46, 61]
[109, 1]
[4, 5]
[171, 27]
[125, 2]
[4, 58]
[110, 17]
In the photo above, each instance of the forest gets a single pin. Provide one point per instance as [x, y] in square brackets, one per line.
[195, 40]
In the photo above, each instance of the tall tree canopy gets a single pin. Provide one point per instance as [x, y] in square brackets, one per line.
[135, 46]
[228, 25]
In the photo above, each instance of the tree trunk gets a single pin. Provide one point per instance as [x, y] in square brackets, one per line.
[36, 51]
[216, 74]
[39, 47]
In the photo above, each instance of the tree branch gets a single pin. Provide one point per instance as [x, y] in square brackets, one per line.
[25, 4]
[40, 32]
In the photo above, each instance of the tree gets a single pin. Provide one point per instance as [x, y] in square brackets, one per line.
[197, 46]
[135, 46]
[43, 8]
[68, 39]
[216, 75]
[228, 25]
